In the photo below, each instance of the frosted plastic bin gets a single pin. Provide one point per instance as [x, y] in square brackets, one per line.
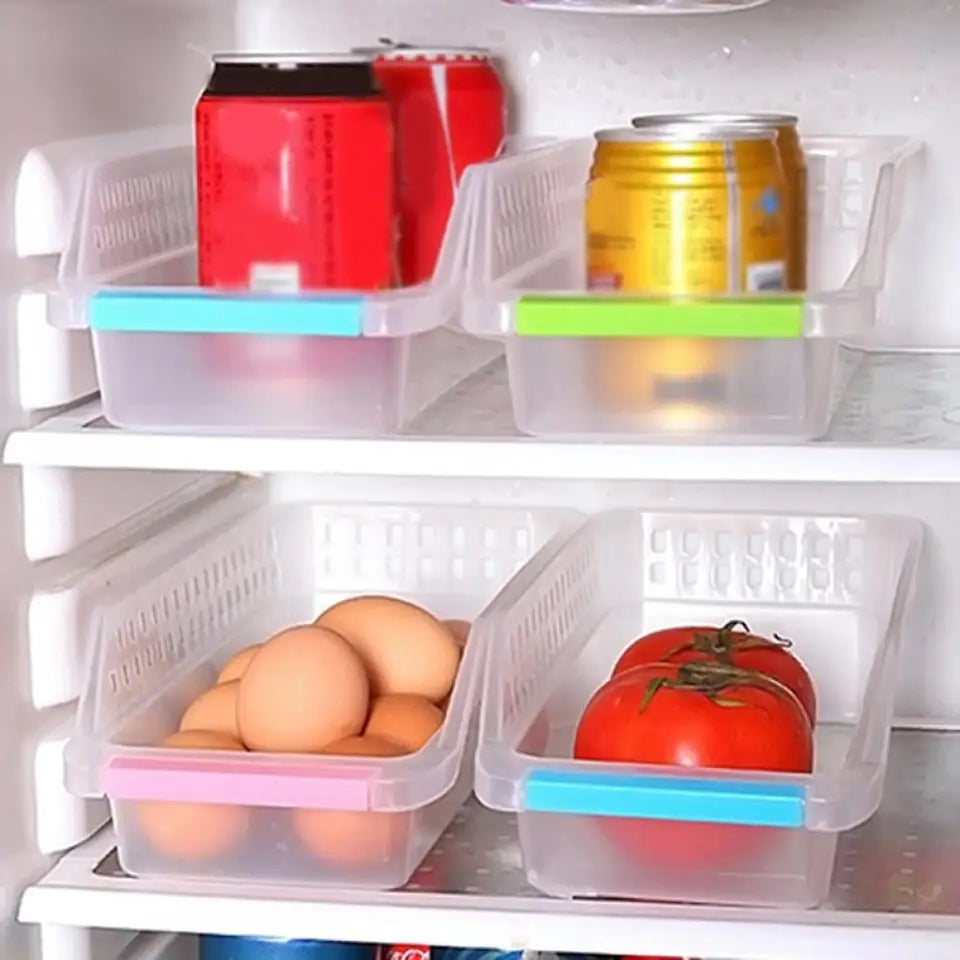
[172, 357]
[839, 587]
[749, 367]
[158, 638]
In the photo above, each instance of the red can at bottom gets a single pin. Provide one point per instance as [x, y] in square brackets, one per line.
[405, 951]
[295, 191]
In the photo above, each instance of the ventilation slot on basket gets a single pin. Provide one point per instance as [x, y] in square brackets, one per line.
[537, 206]
[780, 561]
[168, 620]
[438, 557]
[130, 218]
[541, 624]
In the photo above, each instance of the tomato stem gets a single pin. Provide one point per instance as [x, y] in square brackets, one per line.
[723, 642]
[711, 679]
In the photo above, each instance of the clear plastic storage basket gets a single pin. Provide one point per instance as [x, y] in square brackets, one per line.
[159, 638]
[748, 367]
[838, 587]
[173, 357]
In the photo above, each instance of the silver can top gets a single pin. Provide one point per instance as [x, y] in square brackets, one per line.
[686, 131]
[724, 119]
[389, 50]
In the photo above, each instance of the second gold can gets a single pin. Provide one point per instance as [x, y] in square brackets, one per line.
[792, 161]
[684, 208]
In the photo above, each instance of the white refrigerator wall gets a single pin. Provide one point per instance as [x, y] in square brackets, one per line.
[856, 66]
[67, 69]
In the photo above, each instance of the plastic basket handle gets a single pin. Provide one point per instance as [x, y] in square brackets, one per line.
[766, 317]
[695, 800]
[196, 311]
[246, 782]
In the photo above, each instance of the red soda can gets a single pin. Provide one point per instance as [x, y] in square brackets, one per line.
[295, 175]
[405, 951]
[450, 111]
[296, 189]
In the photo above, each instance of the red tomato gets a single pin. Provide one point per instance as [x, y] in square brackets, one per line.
[726, 644]
[701, 716]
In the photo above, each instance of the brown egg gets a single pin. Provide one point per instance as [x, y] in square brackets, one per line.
[354, 838]
[404, 648]
[460, 630]
[405, 719]
[237, 665]
[305, 689]
[194, 832]
[214, 710]
[202, 740]
[365, 746]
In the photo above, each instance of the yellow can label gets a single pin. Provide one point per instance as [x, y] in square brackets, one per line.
[707, 221]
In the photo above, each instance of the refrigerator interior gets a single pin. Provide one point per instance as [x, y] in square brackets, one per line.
[87, 68]
[69, 70]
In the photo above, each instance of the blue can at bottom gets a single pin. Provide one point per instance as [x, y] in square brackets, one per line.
[469, 953]
[269, 948]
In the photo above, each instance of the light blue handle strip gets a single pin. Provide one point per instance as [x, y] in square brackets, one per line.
[197, 311]
[666, 798]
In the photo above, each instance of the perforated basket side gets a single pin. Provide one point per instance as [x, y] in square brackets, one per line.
[430, 551]
[727, 558]
[532, 209]
[141, 636]
[527, 630]
[540, 623]
[170, 618]
[133, 211]
[753, 559]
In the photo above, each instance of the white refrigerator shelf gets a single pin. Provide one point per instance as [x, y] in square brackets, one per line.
[898, 422]
[895, 891]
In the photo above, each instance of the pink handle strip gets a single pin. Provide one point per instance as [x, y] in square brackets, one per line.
[246, 783]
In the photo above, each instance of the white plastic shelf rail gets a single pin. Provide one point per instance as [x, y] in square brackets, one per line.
[899, 422]
[895, 884]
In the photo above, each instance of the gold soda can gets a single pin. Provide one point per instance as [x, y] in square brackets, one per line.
[795, 171]
[687, 208]
[794, 165]
[681, 208]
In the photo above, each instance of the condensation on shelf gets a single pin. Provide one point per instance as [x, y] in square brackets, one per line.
[895, 880]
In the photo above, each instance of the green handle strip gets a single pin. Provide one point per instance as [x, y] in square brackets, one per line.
[775, 318]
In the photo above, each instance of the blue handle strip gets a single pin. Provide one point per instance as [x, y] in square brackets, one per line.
[203, 311]
[666, 798]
